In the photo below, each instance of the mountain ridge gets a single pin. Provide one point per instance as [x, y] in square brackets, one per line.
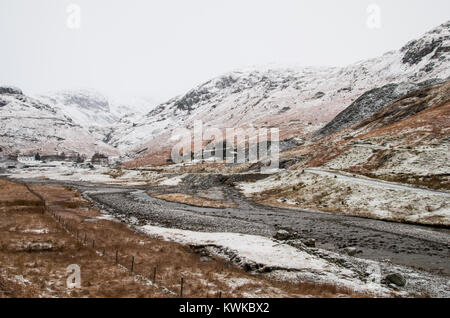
[300, 101]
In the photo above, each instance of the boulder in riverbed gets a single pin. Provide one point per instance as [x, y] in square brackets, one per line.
[396, 279]
[282, 235]
[310, 242]
[352, 251]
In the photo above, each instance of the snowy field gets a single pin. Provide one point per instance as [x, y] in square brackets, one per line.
[64, 171]
[350, 195]
[300, 263]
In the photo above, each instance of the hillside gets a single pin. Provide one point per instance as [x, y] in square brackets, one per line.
[393, 165]
[304, 103]
[30, 126]
[409, 136]
[85, 107]
[299, 101]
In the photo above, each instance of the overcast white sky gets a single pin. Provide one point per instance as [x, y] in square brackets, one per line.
[163, 48]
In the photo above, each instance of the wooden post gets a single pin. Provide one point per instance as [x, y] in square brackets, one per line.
[93, 243]
[117, 256]
[85, 237]
[181, 287]
[154, 275]
[132, 263]
[220, 294]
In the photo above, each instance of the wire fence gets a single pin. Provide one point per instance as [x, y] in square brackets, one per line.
[123, 261]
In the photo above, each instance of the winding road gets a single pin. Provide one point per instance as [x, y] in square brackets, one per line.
[373, 182]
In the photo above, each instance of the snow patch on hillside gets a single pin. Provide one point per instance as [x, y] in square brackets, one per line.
[357, 196]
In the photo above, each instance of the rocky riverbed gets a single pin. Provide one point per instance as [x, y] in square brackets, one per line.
[418, 253]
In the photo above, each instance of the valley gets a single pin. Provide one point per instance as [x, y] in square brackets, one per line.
[356, 245]
[358, 205]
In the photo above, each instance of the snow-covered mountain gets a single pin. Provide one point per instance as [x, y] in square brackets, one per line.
[297, 100]
[132, 106]
[99, 115]
[28, 125]
[85, 107]
[90, 108]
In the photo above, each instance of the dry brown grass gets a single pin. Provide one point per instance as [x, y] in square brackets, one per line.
[434, 182]
[33, 263]
[117, 173]
[195, 201]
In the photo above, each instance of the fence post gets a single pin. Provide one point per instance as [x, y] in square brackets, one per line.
[93, 243]
[181, 287]
[220, 294]
[85, 237]
[117, 256]
[132, 263]
[154, 275]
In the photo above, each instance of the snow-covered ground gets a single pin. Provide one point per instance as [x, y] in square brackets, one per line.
[348, 195]
[419, 161]
[65, 171]
[172, 181]
[70, 172]
[301, 263]
[277, 259]
[373, 182]
[269, 253]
